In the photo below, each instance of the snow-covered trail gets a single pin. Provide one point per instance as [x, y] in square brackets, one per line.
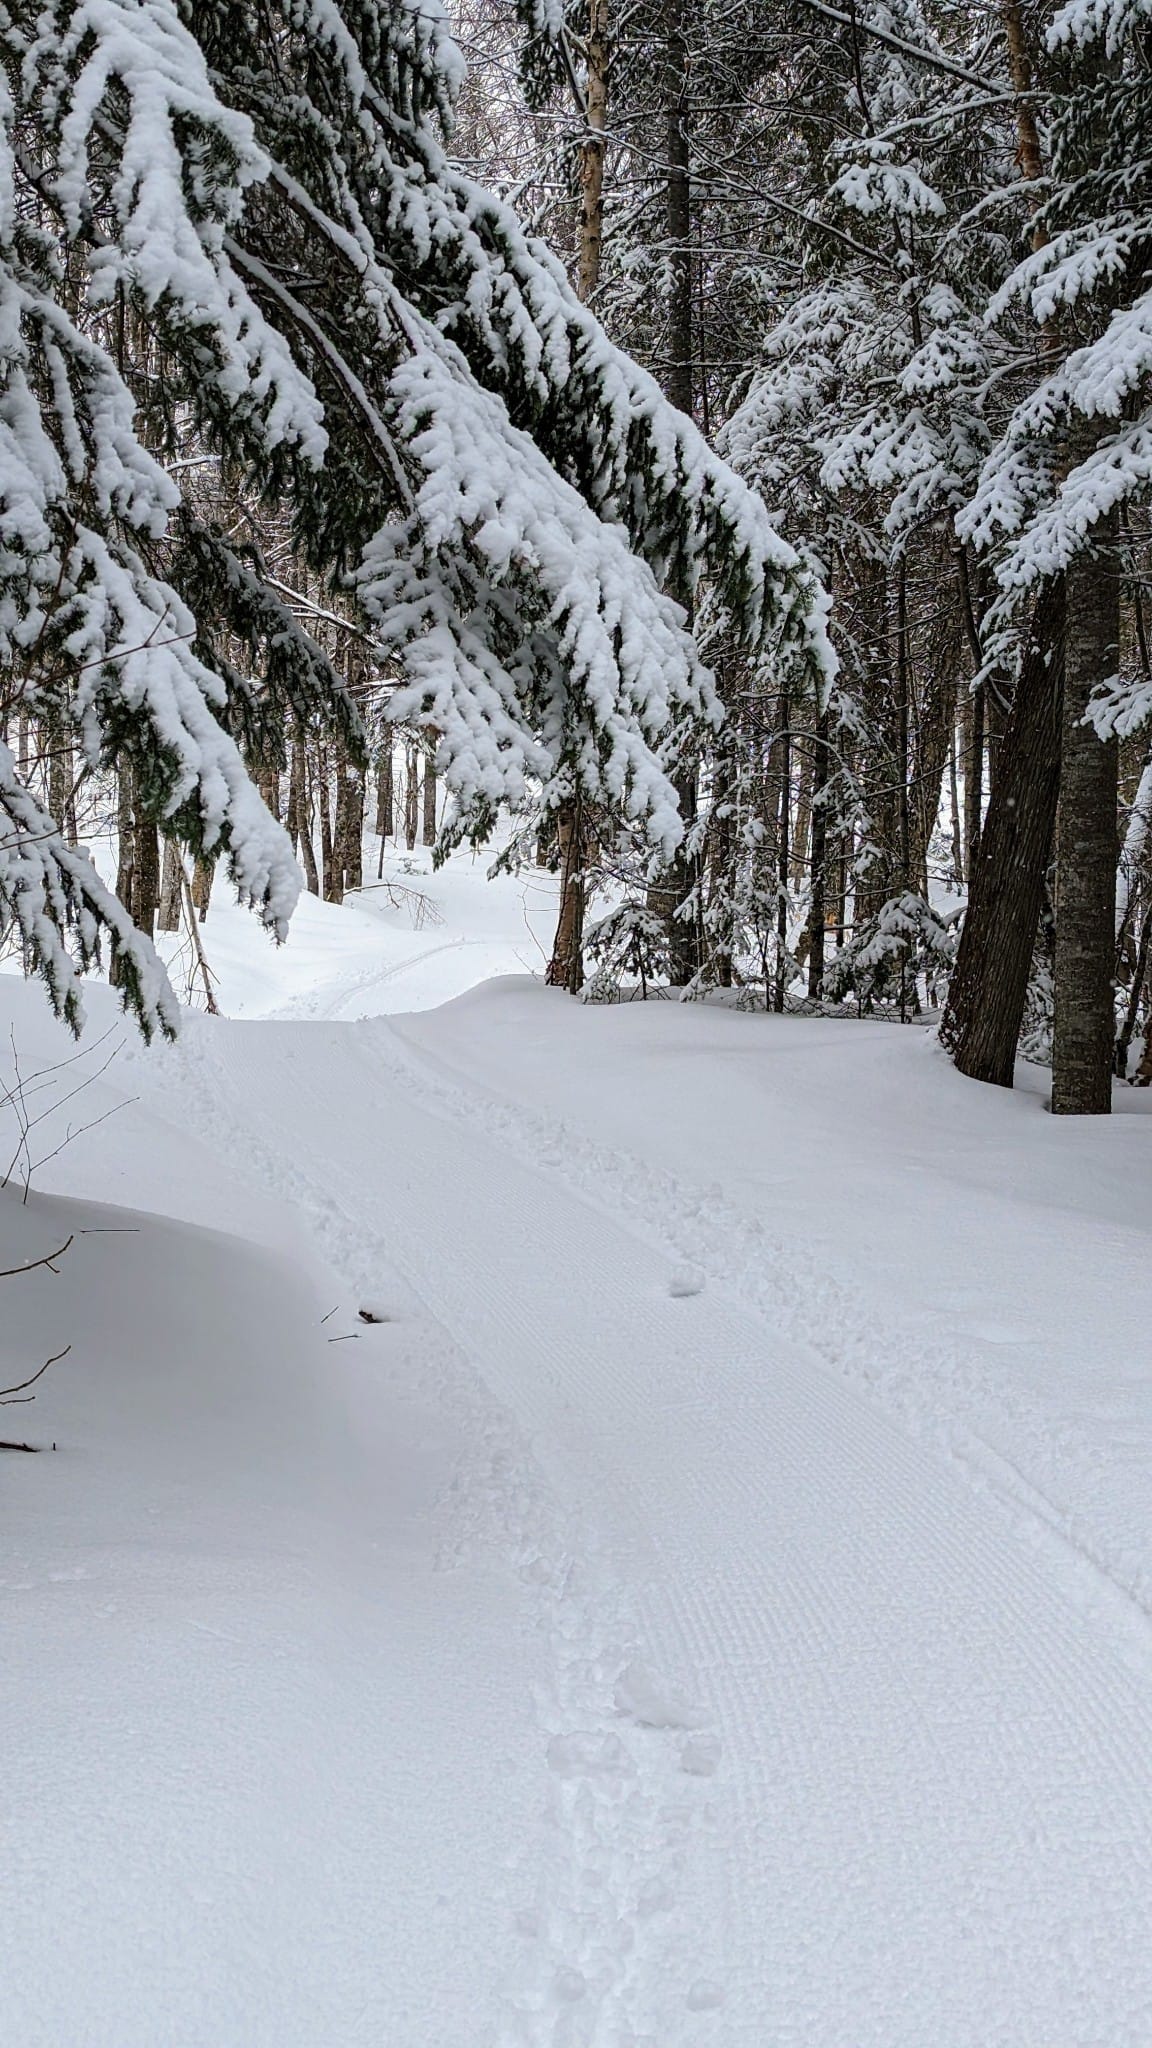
[842, 1753]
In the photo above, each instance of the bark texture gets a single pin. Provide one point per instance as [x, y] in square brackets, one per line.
[981, 1024]
[1083, 1044]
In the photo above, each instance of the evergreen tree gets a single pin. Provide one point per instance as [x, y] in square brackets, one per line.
[244, 218]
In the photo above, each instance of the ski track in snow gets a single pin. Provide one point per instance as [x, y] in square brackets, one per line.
[327, 1008]
[914, 1805]
[603, 1931]
[712, 1238]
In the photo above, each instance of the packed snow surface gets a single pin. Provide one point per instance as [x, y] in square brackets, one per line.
[709, 1602]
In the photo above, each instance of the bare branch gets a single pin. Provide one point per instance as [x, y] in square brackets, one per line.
[9, 1396]
[10, 1272]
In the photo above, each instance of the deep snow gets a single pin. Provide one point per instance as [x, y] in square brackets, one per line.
[715, 1606]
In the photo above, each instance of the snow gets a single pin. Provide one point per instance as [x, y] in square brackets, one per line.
[245, 1710]
[572, 1658]
[408, 941]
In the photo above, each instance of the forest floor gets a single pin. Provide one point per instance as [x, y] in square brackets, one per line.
[711, 1603]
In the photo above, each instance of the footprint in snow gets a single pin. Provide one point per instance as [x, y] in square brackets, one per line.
[652, 1701]
[686, 1280]
[700, 1756]
[704, 1996]
[588, 1755]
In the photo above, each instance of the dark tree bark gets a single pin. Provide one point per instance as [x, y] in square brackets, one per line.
[125, 851]
[294, 817]
[783, 858]
[677, 883]
[721, 850]
[348, 849]
[171, 889]
[201, 890]
[678, 379]
[146, 899]
[817, 901]
[411, 794]
[1083, 1045]
[61, 771]
[1132, 1012]
[934, 705]
[333, 881]
[971, 719]
[428, 818]
[305, 823]
[973, 740]
[125, 839]
[138, 858]
[566, 967]
[985, 1005]
[385, 798]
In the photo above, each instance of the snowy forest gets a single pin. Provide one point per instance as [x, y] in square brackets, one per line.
[714, 444]
[575, 676]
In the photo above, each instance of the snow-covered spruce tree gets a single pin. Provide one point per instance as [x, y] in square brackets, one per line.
[1073, 456]
[688, 262]
[120, 174]
[257, 200]
[510, 494]
[863, 426]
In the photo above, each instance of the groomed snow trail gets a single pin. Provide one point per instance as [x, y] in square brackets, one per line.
[841, 1756]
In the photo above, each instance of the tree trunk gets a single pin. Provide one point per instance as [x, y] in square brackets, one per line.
[903, 708]
[348, 851]
[125, 850]
[138, 858]
[783, 863]
[1132, 854]
[981, 1023]
[973, 779]
[680, 880]
[428, 819]
[385, 797]
[125, 839]
[1083, 1044]
[566, 967]
[803, 828]
[411, 794]
[297, 800]
[171, 888]
[1028, 152]
[60, 778]
[307, 842]
[1139, 975]
[817, 900]
[721, 850]
[678, 380]
[333, 890]
[147, 880]
[201, 890]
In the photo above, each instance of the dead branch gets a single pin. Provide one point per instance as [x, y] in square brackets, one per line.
[206, 974]
[10, 1272]
[13, 1397]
